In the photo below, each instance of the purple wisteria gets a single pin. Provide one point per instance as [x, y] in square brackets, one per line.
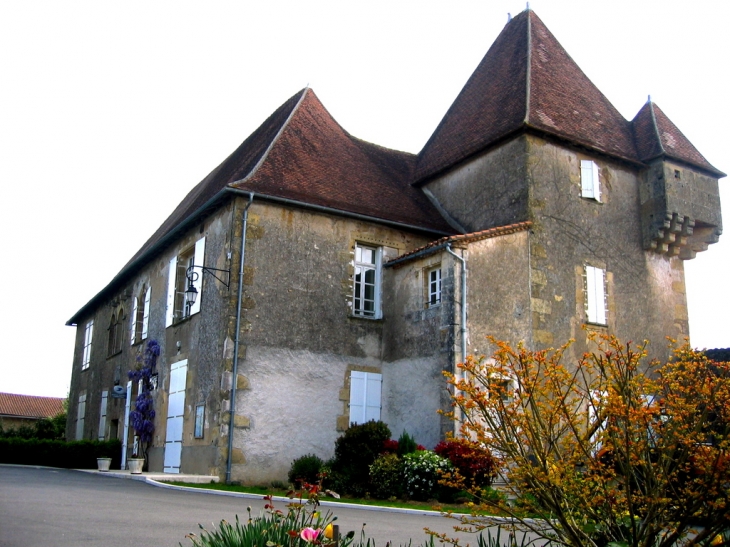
[143, 415]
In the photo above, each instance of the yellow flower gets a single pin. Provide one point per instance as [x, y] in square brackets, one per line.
[328, 531]
[717, 540]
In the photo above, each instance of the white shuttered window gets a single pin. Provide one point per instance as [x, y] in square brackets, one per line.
[595, 289]
[365, 390]
[589, 180]
[178, 307]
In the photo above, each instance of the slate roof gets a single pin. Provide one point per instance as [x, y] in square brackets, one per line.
[528, 82]
[29, 406]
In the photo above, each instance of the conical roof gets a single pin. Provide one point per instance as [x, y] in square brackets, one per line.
[528, 82]
[656, 136]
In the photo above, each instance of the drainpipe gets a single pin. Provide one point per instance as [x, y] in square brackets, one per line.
[237, 342]
[463, 323]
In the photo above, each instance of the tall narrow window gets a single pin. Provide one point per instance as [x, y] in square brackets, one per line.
[434, 287]
[80, 416]
[365, 389]
[116, 328]
[595, 292]
[86, 354]
[178, 306]
[141, 315]
[589, 180]
[366, 293]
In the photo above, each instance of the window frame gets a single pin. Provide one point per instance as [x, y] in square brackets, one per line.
[590, 185]
[86, 351]
[178, 307]
[433, 286]
[596, 294]
[140, 316]
[115, 340]
[359, 285]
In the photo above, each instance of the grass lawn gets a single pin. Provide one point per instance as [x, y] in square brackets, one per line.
[270, 491]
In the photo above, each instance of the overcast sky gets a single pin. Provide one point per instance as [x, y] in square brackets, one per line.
[110, 112]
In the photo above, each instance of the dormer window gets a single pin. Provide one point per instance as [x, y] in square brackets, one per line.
[589, 181]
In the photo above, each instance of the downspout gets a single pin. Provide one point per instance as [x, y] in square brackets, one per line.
[457, 374]
[234, 381]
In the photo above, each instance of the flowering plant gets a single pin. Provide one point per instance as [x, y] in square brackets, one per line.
[143, 415]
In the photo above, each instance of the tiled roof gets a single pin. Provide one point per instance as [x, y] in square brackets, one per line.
[315, 161]
[29, 406]
[657, 136]
[433, 246]
[528, 82]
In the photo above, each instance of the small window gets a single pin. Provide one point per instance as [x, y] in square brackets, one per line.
[677, 174]
[178, 305]
[595, 295]
[88, 334]
[366, 289]
[365, 390]
[434, 287]
[199, 421]
[589, 180]
[140, 316]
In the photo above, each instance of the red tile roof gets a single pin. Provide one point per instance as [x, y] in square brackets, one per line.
[29, 406]
[657, 136]
[528, 82]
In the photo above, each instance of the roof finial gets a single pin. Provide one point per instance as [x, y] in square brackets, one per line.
[509, 17]
[528, 7]
[649, 99]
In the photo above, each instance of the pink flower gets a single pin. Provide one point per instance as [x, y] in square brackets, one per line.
[310, 534]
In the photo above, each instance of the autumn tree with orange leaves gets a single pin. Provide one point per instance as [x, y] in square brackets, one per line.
[612, 450]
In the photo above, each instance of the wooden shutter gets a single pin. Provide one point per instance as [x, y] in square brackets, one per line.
[102, 415]
[365, 396]
[133, 323]
[589, 180]
[170, 312]
[198, 284]
[80, 415]
[595, 295]
[146, 312]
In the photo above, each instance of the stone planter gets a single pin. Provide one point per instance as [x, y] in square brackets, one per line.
[103, 463]
[135, 465]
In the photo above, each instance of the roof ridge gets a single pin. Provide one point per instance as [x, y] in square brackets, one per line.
[263, 157]
[655, 126]
[528, 74]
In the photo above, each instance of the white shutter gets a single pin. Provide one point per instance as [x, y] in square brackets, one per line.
[198, 284]
[589, 179]
[365, 391]
[595, 295]
[146, 312]
[170, 312]
[133, 326]
[102, 415]
[80, 415]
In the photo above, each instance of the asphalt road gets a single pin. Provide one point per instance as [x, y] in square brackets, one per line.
[65, 508]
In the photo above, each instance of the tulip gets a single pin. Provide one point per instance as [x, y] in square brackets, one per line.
[328, 531]
[310, 534]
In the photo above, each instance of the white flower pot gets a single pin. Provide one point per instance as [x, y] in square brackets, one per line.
[103, 463]
[135, 465]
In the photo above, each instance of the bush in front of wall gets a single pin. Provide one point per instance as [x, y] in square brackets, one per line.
[52, 453]
[386, 477]
[406, 444]
[473, 462]
[305, 469]
[422, 471]
[355, 452]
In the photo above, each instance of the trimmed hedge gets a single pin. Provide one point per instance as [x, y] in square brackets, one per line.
[69, 455]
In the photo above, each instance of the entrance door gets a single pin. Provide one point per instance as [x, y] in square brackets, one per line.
[175, 410]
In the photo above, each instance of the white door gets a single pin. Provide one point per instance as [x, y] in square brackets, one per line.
[175, 410]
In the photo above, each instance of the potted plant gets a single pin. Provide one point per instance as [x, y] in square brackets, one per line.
[143, 415]
[103, 463]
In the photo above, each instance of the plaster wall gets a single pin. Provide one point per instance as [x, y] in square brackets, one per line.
[487, 191]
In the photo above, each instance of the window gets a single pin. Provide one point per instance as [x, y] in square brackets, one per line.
[80, 415]
[102, 415]
[140, 316]
[366, 294]
[88, 333]
[434, 287]
[365, 390]
[199, 421]
[114, 345]
[178, 306]
[595, 295]
[589, 180]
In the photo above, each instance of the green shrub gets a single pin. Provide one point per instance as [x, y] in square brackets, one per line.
[45, 428]
[305, 469]
[406, 444]
[355, 452]
[421, 473]
[70, 455]
[386, 477]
